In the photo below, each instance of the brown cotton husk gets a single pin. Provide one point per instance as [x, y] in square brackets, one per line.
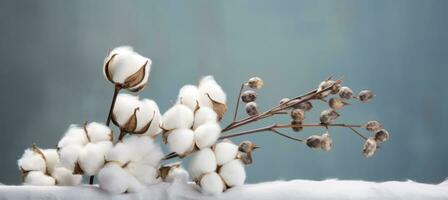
[106, 69]
[136, 78]
[219, 108]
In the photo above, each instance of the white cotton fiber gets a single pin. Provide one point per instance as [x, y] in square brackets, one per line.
[233, 173]
[146, 174]
[154, 128]
[134, 185]
[178, 116]
[204, 115]
[124, 62]
[38, 178]
[124, 108]
[225, 151]
[207, 134]
[119, 153]
[73, 135]
[203, 161]
[181, 141]
[98, 132]
[68, 155]
[64, 177]
[189, 96]
[147, 109]
[52, 159]
[209, 89]
[113, 178]
[177, 174]
[91, 158]
[212, 184]
[32, 161]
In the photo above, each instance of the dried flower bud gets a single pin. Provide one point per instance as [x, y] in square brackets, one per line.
[314, 141]
[346, 93]
[326, 142]
[373, 126]
[255, 83]
[306, 106]
[369, 147]
[296, 125]
[324, 85]
[298, 114]
[251, 108]
[328, 116]
[247, 146]
[249, 96]
[381, 135]
[337, 103]
[246, 158]
[365, 96]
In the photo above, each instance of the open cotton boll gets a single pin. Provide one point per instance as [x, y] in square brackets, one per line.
[204, 115]
[178, 116]
[233, 173]
[38, 178]
[69, 156]
[51, 158]
[91, 157]
[73, 135]
[143, 149]
[113, 178]
[189, 96]
[146, 174]
[124, 108]
[203, 161]
[225, 151]
[32, 161]
[154, 127]
[212, 184]
[209, 89]
[65, 177]
[181, 141]
[206, 135]
[148, 109]
[177, 174]
[98, 132]
[119, 153]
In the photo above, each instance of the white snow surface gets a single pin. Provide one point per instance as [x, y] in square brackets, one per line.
[294, 189]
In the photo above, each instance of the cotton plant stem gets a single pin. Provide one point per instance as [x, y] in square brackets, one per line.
[238, 102]
[91, 180]
[112, 105]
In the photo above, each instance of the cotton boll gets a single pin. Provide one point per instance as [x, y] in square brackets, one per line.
[64, 177]
[204, 115]
[203, 161]
[134, 185]
[113, 179]
[210, 90]
[124, 108]
[225, 152]
[38, 178]
[32, 161]
[98, 132]
[206, 135]
[181, 141]
[69, 156]
[212, 184]
[154, 128]
[91, 158]
[147, 111]
[189, 96]
[233, 173]
[119, 153]
[178, 116]
[51, 158]
[74, 135]
[177, 173]
[144, 173]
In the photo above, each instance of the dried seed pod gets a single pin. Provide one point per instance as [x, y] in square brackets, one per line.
[328, 116]
[365, 96]
[248, 96]
[305, 106]
[337, 103]
[246, 158]
[283, 101]
[251, 108]
[346, 93]
[381, 135]
[326, 141]
[247, 146]
[335, 88]
[373, 126]
[369, 147]
[255, 83]
[296, 125]
[298, 114]
[324, 85]
[314, 141]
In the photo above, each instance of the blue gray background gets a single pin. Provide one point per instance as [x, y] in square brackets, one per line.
[51, 53]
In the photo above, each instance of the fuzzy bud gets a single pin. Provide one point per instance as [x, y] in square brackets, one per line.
[337, 103]
[369, 147]
[314, 141]
[346, 93]
[248, 96]
[298, 114]
[326, 142]
[328, 116]
[255, 83]
[305, 106]
[251, 108]
[296, 125]
[247, 146]
[324, 85]
[381, 135]
[365, 96]
[373, 126]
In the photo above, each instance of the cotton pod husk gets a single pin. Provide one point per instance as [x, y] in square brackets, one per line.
[225, 152]
[211, 184]
[233, 173]
[204, 115]
[178, 116]
[206, 135]
[189, 96]
[173, 172]
[181, 141]
[212, 95]
[127, 69]
[202, 162]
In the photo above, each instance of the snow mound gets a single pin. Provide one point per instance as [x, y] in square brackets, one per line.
[295, 189]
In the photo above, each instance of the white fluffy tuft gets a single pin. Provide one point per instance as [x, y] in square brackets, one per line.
[113, 178]
[204, 115]
[91, 157]
[233, 173]
[206, 135]
[203, 161]
[225, 152]
[189, 96]
[38, 178]
[178, 116]
[210, 90]
[32, 161]
[181, 141]
[212, 184]
[65, 177]
[98, 132]
[177, 174]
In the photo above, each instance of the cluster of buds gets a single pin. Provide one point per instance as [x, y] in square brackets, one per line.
[380, 135]
[323, 141]
[249, 96]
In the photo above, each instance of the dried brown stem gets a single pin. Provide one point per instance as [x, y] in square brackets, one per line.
[238, 102]
[112, 105]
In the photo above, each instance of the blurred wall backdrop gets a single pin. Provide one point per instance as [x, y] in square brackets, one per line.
[51, 56]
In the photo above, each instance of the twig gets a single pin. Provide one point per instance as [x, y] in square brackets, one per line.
[358, 133]
[112, 105]
[238, 102]
[287, 136]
